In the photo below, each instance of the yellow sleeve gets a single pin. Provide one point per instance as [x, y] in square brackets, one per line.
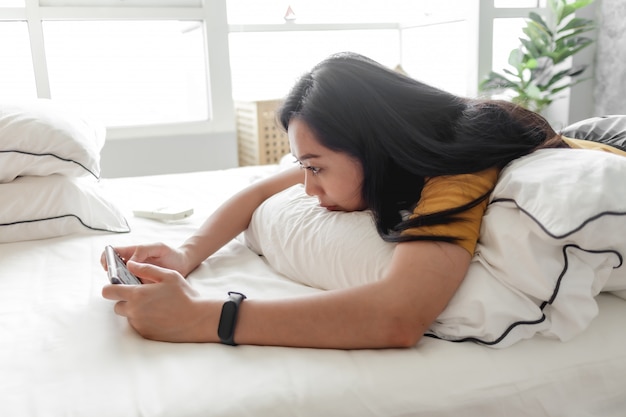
[588, 144]
[447, 192]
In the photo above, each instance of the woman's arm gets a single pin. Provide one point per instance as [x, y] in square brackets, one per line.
[221, 227]
[393, 312]
[233, 217]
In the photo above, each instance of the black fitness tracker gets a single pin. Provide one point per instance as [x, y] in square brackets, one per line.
[228, 318]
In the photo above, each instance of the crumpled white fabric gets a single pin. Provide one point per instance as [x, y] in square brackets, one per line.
[553, 237]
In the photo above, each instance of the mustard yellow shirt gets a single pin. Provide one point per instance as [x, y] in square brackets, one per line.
[587, 144]
[450, 191]
[447, 192]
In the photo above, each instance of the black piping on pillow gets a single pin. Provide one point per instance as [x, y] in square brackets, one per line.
[7, 151]
[610, 130]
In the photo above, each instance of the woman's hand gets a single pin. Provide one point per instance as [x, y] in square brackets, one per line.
[165, 308]
[157, 254]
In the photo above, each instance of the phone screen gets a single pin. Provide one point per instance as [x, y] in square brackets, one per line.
[116, 269]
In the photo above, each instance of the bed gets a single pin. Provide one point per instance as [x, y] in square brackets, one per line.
[63, 352]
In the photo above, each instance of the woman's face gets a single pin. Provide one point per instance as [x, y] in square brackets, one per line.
[335, 178]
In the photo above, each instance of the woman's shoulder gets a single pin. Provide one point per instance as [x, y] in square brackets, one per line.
[589, 144]
[448, 192]
[471, 184]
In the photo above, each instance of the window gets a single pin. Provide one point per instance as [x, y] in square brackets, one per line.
[506, 34]
[500, 24]
[127, 62]
[17, 80]
[260, 70]
[137, 63]
[130, 72]
[505, 4]
[270, 50]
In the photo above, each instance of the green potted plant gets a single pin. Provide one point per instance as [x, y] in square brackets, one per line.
[540, 66]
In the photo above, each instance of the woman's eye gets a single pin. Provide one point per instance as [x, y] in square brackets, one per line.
[314, 170]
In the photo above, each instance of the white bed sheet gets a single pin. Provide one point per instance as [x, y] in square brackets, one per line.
[63, 352]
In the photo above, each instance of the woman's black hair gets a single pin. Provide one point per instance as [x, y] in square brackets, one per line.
[404, 131]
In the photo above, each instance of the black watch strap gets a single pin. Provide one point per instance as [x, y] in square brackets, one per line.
[228, 318]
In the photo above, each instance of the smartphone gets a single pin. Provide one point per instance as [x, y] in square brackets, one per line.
[116, 268]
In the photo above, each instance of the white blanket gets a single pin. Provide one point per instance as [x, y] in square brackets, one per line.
[553, 237]
[63, 351]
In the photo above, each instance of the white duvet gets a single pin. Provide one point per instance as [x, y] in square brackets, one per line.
[553, 238]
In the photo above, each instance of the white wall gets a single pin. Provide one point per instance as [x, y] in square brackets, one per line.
[167, 154]
[580, 101]
[610, 82]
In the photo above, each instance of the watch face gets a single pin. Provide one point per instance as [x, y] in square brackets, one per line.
[228, 318]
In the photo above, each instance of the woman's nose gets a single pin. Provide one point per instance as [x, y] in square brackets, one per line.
[310, 186]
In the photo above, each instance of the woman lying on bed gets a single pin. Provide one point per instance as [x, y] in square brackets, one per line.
[422, 160]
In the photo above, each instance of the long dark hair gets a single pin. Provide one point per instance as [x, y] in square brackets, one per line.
[404, 131]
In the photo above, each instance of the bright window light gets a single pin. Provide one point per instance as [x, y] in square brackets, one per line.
[265, 64]
[12, 3]
[506, 35]
[121, 3]
[439, 55]
[262, 70]
[324, 11]
[129, 72]
[17, 80]
[504, 4]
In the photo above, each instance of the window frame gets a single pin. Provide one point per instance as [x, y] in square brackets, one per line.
[487, 13]
[211, 13]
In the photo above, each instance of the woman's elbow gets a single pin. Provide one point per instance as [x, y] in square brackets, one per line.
[403, 333]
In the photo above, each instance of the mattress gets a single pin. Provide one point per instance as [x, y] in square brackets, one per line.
[63, 352]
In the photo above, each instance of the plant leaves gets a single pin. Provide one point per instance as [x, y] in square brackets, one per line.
[577, 23]
[569, 48]
[532, 49]
[537, 35]
[577, 70]
[539, 60]
[531, 63]
[495, 81]
[535, 17]
[557, 77]
[575, 34]
[516, 58]
[569, 8]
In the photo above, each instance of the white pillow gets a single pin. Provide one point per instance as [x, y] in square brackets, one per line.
[314, 246]
[41, 137]
[555, 227]
[55, 205]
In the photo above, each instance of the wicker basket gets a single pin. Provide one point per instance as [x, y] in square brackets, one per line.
[259, 139]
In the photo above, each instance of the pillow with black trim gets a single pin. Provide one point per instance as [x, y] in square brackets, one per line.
[41, 137]
[610, 130]
[55, 205]
[551, 239]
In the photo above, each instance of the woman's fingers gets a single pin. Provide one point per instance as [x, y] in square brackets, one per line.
[145, 253]
[120, 308]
